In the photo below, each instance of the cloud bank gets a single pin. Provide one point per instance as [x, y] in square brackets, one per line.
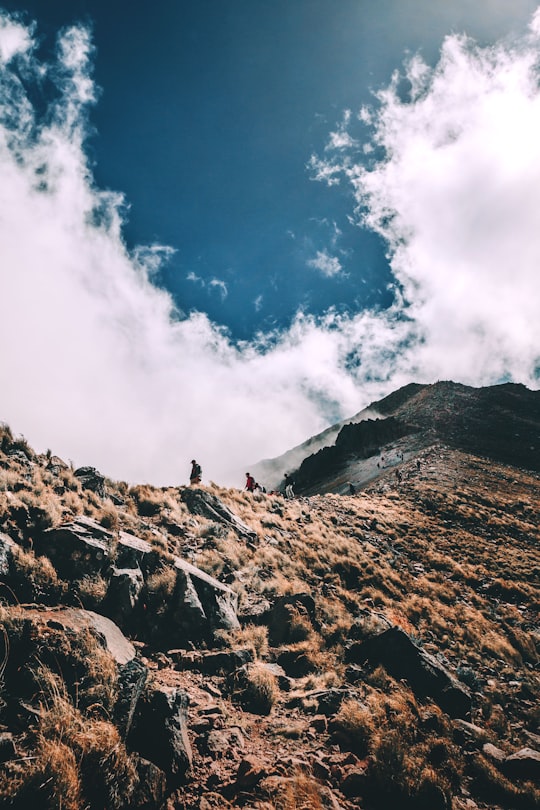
[100, 365]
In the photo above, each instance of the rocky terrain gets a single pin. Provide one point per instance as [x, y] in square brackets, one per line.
[500, 423]
[204, 647]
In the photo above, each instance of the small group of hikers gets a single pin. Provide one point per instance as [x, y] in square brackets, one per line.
[253, 486]
[195, 477]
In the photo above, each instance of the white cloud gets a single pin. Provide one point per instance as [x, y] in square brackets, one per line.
[220, 286]
[457, 198]
[98, 364]
[328, 265]
[14, 39]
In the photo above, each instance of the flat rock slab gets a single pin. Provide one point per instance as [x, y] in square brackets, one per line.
[78, 620]
[209, 506]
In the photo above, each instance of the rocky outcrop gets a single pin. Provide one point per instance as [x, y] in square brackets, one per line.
[402, 658]
[6, 552]
[524, 764]
[199, 604]
[79, 548]
[202, 604]
[361, 440]
[91, 479]
[200, 502]
[74, 621]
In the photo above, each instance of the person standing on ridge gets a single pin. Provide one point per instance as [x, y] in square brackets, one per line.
[195, 474]
[289, 483]
[250, 482]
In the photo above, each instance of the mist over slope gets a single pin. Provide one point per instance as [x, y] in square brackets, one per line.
[499, 422]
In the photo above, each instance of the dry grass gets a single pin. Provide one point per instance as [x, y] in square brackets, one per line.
[255, 688]
[353, 727]
[75, 761]
[451, 558]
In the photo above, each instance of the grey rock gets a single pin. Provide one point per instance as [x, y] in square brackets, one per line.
[123, 593]
[402, 658]
[159, 733]
[132, 677]
[524, 764]
[464, 731]
[6, 553]
[8, 749]
[209, 506]
[78, 620]
[78, 548]
[91, 479]
[493, 753]
[330, 700]
[225, 662]
[220, 742]
[202, 603]
[151, 791]
[133, 552]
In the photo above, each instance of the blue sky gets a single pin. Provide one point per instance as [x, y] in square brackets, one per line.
[261, 162]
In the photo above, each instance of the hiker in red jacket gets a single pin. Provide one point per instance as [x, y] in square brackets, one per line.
[250, 482]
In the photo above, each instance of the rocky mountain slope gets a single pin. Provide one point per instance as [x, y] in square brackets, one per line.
[204, 648]
[501, 423]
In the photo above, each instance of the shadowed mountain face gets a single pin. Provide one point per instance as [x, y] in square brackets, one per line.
[501, 423]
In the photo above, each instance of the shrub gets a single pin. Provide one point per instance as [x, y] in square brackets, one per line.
[49, 781]
[299, 792]
[353, 727]
[91, 590]
[34, 579]
[255, 688]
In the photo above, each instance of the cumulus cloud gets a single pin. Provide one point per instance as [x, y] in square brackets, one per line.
[100, 365]
[328, 265]
[97, 362]
[455, 192]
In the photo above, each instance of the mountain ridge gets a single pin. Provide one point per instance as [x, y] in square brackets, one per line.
[499, 422]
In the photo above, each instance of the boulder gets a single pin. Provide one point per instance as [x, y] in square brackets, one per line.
[79, 548]
[250, 772]
[330, 700]
[225, 662]
[284, 615]
[123, 593]
[159, 732]
[218, 743]
[524, 764]
[202, 604]
[133, 552]
[427, 677]
[132, 677]
[8, 749]
[91, 479]
[6, 553]
[496, 755]
[209, 506]
[77, 620]
[151, 791]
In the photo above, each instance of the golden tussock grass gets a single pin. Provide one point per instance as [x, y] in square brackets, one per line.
[298, 792]
[255, 688]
